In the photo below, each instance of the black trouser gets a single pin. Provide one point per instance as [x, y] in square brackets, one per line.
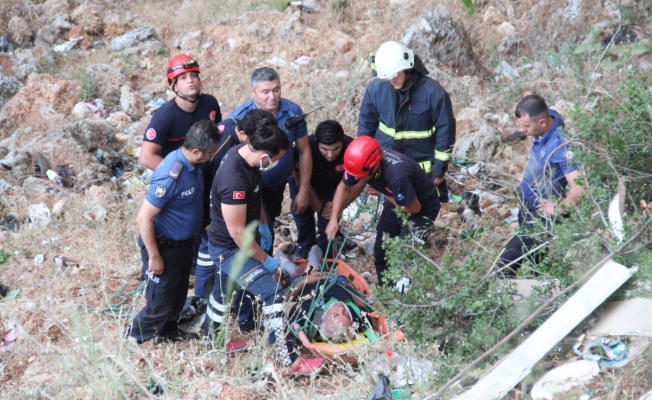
[306, 221]
[442, 192]
[521, 244]
[273, 203]
[165, 293]
[391, 224]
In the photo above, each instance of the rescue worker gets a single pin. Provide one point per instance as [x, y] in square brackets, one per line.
[409, 112]
[403, 183]
[327, 147]
[167, 222]
[167, 129]
[236, 202]
[266, 95]
[548, 187]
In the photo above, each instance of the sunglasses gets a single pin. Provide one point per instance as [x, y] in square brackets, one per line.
[186, 65]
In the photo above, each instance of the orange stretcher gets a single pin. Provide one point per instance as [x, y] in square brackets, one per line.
[348, 352]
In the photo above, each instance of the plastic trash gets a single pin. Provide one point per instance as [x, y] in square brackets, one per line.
[54, 177]
[64, 262]
[39, 214]
[10, 223]
[383, 389]
[11, 336]
[38, 260]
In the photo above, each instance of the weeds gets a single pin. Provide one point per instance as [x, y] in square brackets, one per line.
[88, 86]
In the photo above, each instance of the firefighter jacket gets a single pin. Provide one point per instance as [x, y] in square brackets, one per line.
[418, 123]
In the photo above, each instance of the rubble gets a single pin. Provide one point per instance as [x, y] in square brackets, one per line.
[133, 38]
[564, 378]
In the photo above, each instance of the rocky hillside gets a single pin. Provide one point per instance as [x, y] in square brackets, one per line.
[79, 82]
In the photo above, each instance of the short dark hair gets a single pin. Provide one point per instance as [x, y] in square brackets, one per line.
[202, 136]
[534, 106]
[329, 132]
[263, 132]
[264, 74]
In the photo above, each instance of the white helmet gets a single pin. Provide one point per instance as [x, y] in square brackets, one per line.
[392, 58]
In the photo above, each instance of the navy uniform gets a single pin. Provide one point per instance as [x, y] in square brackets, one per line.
[177, 189]
[325, 178]
[275, 180]
[418, 122]
[235, 183]
[544, 178]
[402, 178]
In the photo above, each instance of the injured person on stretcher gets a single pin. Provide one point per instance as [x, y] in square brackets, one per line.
[323, 305]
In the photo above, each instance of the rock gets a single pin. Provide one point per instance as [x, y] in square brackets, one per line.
[291, 28]
[39, 215]
[97, 213]
[19, 30]
[492, 16]
[131, 103]
[189, 42]
[88, 17]
[563, 107]
[482, 142]
[57, 208]
[335, 41]
[506, 29]
[508, 44]
[310, 6]
[562, 379]
[42, 103]
[342, 76]
[52, 7]
[645, 63]
[436, 36]
[504, 70]
[76, 32]
[133, 38]
[9, 86]
[238, 44]
[260, 28]
[109, 81]
[80, 111]
[303, 60]
[119, 119]
[52, 28]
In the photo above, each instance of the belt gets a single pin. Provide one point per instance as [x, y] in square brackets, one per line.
[165, 243]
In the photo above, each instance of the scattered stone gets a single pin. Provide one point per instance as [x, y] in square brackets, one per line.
[133, 38]
[19, 30]
[435, 36]
[57, 209]
[9, 86]
[109, 81]
[189, 42]
[52, 7]
[260, 28]
[335, 41]
[80, 111]
[508, 44]
[5, 44]
[505, 71]
[238, 44]
[97, 213]
[88, 17]
[131, 103]
[492, 16]
[342, 76]
[562, 379]
[52, 28]
[291, 28]
[506, 29]
[482, 142]
[303, 60]
[39, 215]
[119, 119]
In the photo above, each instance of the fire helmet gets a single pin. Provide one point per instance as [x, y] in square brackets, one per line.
[180, 64]
[362, 155]
[392, 58]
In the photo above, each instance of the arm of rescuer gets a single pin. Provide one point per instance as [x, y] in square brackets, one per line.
[412, 208]
[444, 124]
[572, 196]
[344, 195]
[369, 117]
[147, 232]
[149, 157]
[235, 218]
[301, 201]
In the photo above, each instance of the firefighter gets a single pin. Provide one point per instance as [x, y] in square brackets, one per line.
[400, 179]
[167, 129]
[409, 112]
[168, 220]
[266, 95]
[236, 202]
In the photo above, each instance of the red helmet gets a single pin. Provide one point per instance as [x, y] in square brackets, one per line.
[180, 64]
[361, 156]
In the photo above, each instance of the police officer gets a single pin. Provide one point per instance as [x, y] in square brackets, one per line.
[168, 220]
[266, 95]
[327, 146]
[548, 186]
[409, 112]
[167, 129]
[236, 202]
[403, 183]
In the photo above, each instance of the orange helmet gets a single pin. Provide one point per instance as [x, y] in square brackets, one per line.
[362, 155]
[180, 64]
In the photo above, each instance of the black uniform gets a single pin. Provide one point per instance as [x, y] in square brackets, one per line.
[325, 178]
[402, 178]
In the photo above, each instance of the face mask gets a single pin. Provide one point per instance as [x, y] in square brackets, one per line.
[271, 165]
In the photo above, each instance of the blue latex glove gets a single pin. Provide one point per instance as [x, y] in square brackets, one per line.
[265, 237]
[271, 265]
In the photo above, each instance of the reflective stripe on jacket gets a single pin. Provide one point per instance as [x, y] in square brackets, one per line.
[419, 124]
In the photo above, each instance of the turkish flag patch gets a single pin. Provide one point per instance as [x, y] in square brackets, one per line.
[212, 115]
[238, 195]
[221, 128]
[151, 134]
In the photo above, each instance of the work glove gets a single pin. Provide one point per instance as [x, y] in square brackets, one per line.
[265, 236]
[271, 265]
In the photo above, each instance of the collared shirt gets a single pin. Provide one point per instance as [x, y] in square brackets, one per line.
[286, 110]
[550, 160]
[180, 199]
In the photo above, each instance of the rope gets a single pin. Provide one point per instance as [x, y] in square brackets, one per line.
[115, 310]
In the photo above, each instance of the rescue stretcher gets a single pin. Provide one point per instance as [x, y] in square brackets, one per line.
[348, 352]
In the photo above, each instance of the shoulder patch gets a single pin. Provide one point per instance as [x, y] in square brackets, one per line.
[238, 195]
[160, 190]
[220, 127]
[568, 155]
[176, 169]
[150, 134]
[542, 153]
